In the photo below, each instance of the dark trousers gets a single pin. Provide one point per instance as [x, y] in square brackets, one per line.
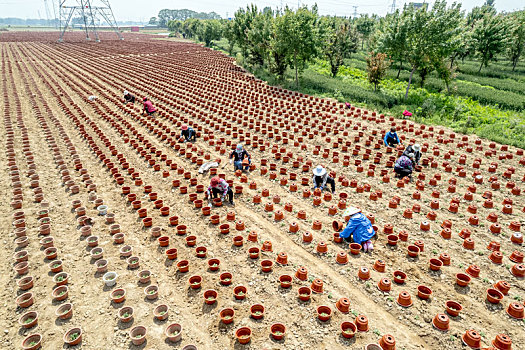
[192, 136]
[392, 142]
[402, 172]
[329, 180]
[216, 193]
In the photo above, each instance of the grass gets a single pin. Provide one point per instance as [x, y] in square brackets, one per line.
[490, 104]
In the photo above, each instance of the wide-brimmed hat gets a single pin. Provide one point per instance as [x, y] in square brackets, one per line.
[351, 211]
[319, 171]
[214, 181]
[417, 147]
[126, 92]
[184, 127]
[239, 147]
[407, 113]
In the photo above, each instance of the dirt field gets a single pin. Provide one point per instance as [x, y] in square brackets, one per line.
[57, 141]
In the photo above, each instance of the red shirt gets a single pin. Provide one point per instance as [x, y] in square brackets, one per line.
[149, 106]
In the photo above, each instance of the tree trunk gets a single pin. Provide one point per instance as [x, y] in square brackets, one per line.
[481, 66]
[399, 70]
[452, 61]
[448, 87]
[410, 81]
[514, 64]
[295, 64]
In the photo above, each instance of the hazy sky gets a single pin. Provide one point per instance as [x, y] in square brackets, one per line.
[142, 10]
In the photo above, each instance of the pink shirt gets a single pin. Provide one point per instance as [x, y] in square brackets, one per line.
[149, 106]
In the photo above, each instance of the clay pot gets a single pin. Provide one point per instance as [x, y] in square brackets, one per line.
[64, 311]
[125, 314]
[73, 336]
[239, 292]
[503, 287]
[60, 293]
[399, 277]
[304, 293]
[201, 252]
[435, 264]
[210, 297]
[324, 313]
[462, 279]
[28, 320]
[453, 308]
[387, 342]
[227, 315]
[361, 321]
[364, 273]
[494, 296]
[138, 335]
[173, 332]
[278, 331]
[282, 258]
[322, 247]
[384, 285]
[32, 342]
[413, 251]
[226, 278]
[144, 276]
[286, 281]
[502, 342]
[424, 292]
[496, 257]
[473, 270]
[516, 256]
[472, 339]
[342, 258]
[518, 270]
[257, 311]
[404, 299]
[243, 335]
[441, 322]
[355, 248]
[266, 266]
[317, 286]
[301, 273]
[25, 283]
[379, 266]
[516, 310]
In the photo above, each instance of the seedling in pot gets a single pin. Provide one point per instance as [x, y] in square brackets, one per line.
[74, 336]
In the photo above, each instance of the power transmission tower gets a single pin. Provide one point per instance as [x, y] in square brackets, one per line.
[355, 11]
[393, 7]
[87, 10]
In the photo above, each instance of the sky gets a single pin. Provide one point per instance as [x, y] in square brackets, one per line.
[138, 10]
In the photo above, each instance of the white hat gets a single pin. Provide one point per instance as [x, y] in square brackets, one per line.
[351, 211]
[239, 147]
[319, 171]
[126, 92]
[417, 147]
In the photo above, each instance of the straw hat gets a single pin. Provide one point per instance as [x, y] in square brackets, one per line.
[351, 211]
[319, 171]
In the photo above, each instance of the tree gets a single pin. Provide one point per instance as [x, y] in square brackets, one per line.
[489, 37]
[153, 20]
[258, 37]
[241, 25]
[297, 33]
[432, 36]
[516, 42]
[376, 67]
[339, 40]
[392, 38]
[209, 30]
[229, 34]
[365, 26]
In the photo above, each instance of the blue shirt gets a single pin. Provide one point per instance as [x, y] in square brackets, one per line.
[360, 227]
[390, 135]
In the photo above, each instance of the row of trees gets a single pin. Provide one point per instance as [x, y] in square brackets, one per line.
[425, 39]
[166, 15]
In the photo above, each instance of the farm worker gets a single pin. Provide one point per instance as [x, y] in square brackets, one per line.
[359, 229]
[321, 178]
[416, 149]
[391, 139]
[406, 113]
[188, 134]
[240, 158]
[148, 106]
[128, 98]
[404, 165]
[218, 187]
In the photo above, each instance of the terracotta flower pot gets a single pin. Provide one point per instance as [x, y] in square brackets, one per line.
[502, 286]
[453, 308]
[226, 315]
[25, 283]
[195, 282]
[399, 277]
[138, 335]
[516, 310]
[324, 313]
[494, 296]
[64, 311]
[441, 322]
[343, 305]
[243, 335]
[266, 266]
[28, 320]
[73, 336]
[125, 314]
[424, 292]
[239, 292]
[32, 342]
[404, 299]
[257, 311]
[348, 329]
[210, 297]
[286, 281]
[473, 271]
[435, 264]
[384, 285]
[387, 342]
[363, 273]
[151, 292]
[278, 331]
[379, 265]
[355, 248]
[361, 321]
[472, 339]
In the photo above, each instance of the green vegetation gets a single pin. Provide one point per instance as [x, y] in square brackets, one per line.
[447, 67]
